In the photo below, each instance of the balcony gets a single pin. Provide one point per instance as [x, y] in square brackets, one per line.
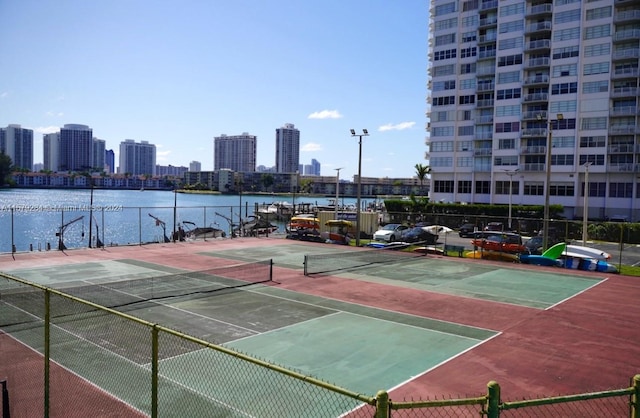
[538, 27]
[625, 35]
[534, 132]
[536, 97]
[625, 73]
[485, 103]
[482, 71]
[534, 150]
[488, 5]
[482, 152]
[481, 120]
[623, 168]
[482, 87]
[535, 115]
[623, 130]
[623, 149]
[541, 44]
[627, 16]
[540, 9]
[625, 92]
[623, 111]
[533, 167]
[483, 55]
[542, 80]
[486, 39]
[488, 22]
[537, 62]
[626, 54]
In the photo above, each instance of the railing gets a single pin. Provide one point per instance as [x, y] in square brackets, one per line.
[151, 371]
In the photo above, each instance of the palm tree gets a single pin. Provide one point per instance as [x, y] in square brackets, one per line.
[421, 172]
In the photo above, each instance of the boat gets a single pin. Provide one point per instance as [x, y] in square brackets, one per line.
[505, 242]
[304, 227]
[585, 252]
[340, 231]
[193, 232]
[492, 255]
[255, 226]
[275, 211]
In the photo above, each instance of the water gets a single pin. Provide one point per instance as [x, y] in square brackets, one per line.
[30, 219]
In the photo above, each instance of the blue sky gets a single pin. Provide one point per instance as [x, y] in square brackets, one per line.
[179, 73]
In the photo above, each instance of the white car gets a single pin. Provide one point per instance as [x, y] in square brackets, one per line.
[389, 232]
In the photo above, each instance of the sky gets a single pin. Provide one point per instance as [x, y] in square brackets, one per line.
[179, 73]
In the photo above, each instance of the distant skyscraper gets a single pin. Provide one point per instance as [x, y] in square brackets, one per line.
[99, 146]
[137, 158]
[195, 166]
[17, 143]
[51, 151]
[236, 153]
[110, 160]
[76, 148]
[287, 149]
[315, 167]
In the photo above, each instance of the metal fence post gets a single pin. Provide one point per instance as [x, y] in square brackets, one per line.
[382, 404]
[493, 399]
[47, 350]
[635, 398]
[6, 412]
[154, 371]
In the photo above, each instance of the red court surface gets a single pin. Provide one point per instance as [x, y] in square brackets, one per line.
[586, 343]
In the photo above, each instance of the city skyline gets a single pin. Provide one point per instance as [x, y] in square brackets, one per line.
[325, 67]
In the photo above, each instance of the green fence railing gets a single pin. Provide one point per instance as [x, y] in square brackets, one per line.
[117, 362]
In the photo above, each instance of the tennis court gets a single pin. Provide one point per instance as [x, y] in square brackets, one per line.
[337, 337]
[360, 348]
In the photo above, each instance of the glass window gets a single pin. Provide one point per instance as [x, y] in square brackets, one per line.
[510, 43]
[483, 187]
[512, 9]
[446, 24]
[564, 88]
[566, 52]
[444, 9]
[563, 106]
[514, 26]
[597, 50]
[601, 86]
[469, 36]
[593, 123]
[567, 16]
[593, 141]
[599, 13]
[620, 189]
[447, 39]
[464, 186]
[566, 34]
[565, 70]
[599, 31]
[596, 68]
[509, 77]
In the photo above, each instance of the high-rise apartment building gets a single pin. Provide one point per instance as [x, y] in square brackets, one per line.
[525, 91]
[236, 152]
[110, 161]
[51, 151]
[312, 169]
[137, 158]
[17, 143]
[76, 148]
[195, 166]
[99, 149]
[287, 149]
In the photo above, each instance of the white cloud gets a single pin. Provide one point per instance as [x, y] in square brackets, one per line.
[51, 113]
[325, 114]
[46, 129]
[397, 127]
[310, 147]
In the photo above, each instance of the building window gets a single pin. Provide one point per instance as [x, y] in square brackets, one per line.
[464, 162]
[464, 186]
[562, 189]
[621, 190]
[566, 52]
[502, 187]
[564, 70]
[596, 68]
[563, 106]
[513, 26]
[443, 55]
[507, 143]
[513, 9]
[444, 9]
[444, 101]
[447, 39]
[567, 16]
[509, 77]
[442, 70]
[596, 189]
[443, 186]
[597, 50]
[470, 99]
[465, 130]
[593, 123]
[562, 159]
[507, 127]
[468, 84]
[599, 13]
[470, 21]
[595, 159]
[446, 24]
[593, 141]
[468, 52]
[483, 187]
[510, 43]
[510, 60]
[599, 31]
[469, 36]
[564, 88]
[533, 189]
[566, 34]
[601, 86]
[468, 68]
[508, 94]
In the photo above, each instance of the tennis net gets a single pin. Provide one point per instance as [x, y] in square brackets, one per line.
[349, 260]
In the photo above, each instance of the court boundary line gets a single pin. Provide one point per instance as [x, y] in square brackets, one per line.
[598, 283]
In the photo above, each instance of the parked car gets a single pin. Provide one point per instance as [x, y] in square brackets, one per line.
[494, 226]
[389, 232]
[466, 230]
[419, 234]
[534, 244]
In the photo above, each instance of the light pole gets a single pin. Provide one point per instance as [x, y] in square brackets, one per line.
[585, 209]
[337, 190]
[547, 186]
[510, 173]
[364, 133]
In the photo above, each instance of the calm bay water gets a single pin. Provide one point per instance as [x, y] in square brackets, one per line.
[31, 218]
